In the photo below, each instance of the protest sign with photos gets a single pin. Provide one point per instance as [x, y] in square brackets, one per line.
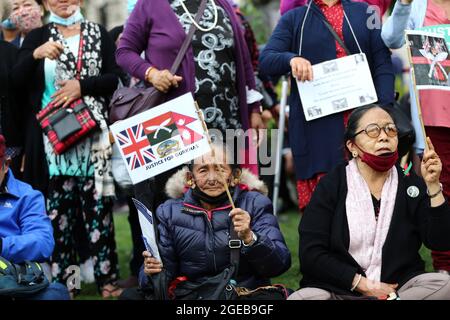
[338, 85]
[429, 58]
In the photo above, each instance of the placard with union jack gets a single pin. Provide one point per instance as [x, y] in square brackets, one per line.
[161, 138]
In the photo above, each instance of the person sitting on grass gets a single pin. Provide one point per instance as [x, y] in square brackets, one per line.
[361, 234]
[194, 226]
[26, 233]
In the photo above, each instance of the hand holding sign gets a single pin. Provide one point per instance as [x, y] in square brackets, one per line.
[148, 230]
[151, 264]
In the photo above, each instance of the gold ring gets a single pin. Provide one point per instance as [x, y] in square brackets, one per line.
[65, 98]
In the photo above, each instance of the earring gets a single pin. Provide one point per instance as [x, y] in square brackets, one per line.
[190, 183]
[235, 181]
[354, 154]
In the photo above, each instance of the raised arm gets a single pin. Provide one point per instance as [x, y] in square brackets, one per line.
[393, 30]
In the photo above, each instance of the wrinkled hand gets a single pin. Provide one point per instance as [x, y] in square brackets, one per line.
[50, 50]
[301, 69]
[241, 222]
[372, 288]
[163, 80]
[69, 92]
[151, 264]
[431, 166]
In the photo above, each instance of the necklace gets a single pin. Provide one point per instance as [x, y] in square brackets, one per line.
[195, 23]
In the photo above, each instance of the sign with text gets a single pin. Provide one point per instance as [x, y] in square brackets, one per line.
[338, 85]
[161, 138]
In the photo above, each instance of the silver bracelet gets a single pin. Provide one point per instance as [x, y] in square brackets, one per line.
[435, 194]
[254, 239]
[357, 282]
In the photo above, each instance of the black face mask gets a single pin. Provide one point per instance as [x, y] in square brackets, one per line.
[221, 198]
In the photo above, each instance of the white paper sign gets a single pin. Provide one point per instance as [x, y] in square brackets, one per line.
[161, 138]
[338, 85]
[148, 231]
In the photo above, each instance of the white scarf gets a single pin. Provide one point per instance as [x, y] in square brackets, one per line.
[367, 236]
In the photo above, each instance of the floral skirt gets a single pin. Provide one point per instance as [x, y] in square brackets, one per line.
[72, 198]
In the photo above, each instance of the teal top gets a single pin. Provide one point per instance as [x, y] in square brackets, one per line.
[75, 161]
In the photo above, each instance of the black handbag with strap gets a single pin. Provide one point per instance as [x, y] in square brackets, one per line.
[127, 102]
[223, 286]
[218, 287]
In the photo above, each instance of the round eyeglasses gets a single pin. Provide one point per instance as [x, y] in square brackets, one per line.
[373, 130]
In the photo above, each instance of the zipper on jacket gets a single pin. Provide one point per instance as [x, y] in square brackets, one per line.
[207, 214]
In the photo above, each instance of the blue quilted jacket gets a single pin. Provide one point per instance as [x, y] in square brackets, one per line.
[193, 242]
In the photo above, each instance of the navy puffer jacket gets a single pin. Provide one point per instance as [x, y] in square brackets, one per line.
[194, 242]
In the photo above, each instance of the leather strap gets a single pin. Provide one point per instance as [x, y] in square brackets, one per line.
[153, 92]
[187, 40]
[335, 35]
[80, 56]
[235, 251]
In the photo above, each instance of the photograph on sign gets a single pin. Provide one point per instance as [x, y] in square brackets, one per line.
[338, 85]
[430, 60]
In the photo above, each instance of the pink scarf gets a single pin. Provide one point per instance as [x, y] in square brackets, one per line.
[367, 235]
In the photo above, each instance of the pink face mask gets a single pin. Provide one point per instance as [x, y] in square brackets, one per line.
[27, 19]
[379, 163]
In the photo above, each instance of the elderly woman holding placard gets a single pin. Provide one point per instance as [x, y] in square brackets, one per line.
[361, 234]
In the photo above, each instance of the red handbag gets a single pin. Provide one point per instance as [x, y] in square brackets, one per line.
[66, 126]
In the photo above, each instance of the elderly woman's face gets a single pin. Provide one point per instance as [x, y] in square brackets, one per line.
[382, 144]
[18, 5]
[63, 8]
[210, 173]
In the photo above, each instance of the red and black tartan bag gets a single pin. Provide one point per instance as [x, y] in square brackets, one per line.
[66, 126]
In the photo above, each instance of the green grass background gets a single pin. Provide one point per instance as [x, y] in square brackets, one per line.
[288, 223]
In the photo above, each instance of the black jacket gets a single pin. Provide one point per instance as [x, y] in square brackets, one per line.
[29, 74]
[324, 235]
[11, 112]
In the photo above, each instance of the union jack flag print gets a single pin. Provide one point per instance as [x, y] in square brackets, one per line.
[135, 146]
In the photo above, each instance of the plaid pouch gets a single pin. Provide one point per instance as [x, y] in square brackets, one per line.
[65, 127]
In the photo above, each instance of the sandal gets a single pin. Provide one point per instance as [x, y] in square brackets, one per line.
[111, 290]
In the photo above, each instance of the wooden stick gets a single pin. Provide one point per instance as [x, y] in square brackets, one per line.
[213, 153]
[416, 92]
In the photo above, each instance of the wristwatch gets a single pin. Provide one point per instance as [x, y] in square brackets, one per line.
[254, 239]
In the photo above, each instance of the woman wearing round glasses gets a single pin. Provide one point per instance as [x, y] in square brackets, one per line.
[367, 220]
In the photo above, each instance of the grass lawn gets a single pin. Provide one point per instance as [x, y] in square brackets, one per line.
[288, 223]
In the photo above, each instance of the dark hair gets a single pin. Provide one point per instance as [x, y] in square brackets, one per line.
[353, 121]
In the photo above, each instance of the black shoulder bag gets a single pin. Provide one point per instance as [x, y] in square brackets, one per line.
[218, 287]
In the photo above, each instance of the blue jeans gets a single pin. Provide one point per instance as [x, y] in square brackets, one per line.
[55, 291]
